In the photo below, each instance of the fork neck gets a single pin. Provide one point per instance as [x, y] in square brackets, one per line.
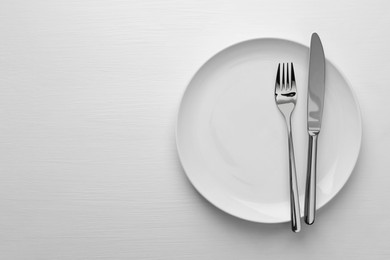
[287, 113]
[288, 122]
[287, 109]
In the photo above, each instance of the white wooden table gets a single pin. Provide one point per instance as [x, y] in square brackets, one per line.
[89, 92]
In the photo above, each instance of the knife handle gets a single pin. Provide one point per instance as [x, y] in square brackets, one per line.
[310, 194]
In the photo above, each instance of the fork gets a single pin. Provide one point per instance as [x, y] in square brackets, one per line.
[286, 98]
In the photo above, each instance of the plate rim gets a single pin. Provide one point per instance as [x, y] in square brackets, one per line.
[360, 134]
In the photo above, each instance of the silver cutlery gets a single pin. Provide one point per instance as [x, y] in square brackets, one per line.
[315, 104]
[286, 98]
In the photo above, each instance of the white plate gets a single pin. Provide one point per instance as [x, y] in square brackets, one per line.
[232, 140]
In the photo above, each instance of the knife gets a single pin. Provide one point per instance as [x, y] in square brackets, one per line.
[315, 104]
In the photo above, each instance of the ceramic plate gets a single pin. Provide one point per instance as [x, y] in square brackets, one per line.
[232, 140]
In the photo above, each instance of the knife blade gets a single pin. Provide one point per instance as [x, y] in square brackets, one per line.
[316, 91]
[315, 104]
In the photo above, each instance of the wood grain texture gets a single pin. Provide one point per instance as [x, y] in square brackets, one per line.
[89, 92]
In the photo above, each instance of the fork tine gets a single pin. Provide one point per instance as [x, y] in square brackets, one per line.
[283, 82]
[288, 86]
[293, 84]
[277, 82]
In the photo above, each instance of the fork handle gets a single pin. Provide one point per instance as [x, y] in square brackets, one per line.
[310, 194]
[294, 195]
